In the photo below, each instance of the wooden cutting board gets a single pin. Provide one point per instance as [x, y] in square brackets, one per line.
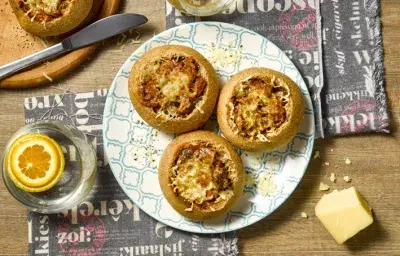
[16, 43]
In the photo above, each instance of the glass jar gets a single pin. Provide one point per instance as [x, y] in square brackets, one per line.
[79, 172]
[202, 7]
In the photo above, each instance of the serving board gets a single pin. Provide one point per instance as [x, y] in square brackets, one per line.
[16, 43]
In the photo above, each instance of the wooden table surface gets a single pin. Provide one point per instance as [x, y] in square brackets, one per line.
[375, 167]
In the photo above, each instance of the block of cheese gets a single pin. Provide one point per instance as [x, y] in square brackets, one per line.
[344, 213]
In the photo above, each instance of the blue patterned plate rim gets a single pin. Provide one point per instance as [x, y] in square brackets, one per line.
[237, 29]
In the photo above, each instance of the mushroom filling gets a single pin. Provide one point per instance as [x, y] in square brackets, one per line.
[203, 175]
[172, 87]
[258, 108]
[44, 10]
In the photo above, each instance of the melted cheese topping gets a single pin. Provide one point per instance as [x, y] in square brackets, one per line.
[203, 174]
[172, 87]
[258, 108]
[44, 10]
[53, 3]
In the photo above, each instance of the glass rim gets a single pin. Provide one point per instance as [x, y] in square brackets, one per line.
[65, 205]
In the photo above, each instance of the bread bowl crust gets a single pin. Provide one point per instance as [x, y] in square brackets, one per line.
[285, 133]
[167, 161]
[76, 14]
[195, 119]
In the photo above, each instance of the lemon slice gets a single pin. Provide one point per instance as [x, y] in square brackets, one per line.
[35, 162]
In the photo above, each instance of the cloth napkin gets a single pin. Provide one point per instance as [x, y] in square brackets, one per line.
[107, 222]
[344, 76]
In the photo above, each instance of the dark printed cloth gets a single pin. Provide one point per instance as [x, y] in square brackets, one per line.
[352, 100]
[353, 97]
[107, 222]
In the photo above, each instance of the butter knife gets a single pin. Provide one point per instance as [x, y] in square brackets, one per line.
[95, 32]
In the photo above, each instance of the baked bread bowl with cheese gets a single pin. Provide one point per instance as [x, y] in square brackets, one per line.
[201, 175]
[260, 109]
[50, 17]
[173, 88]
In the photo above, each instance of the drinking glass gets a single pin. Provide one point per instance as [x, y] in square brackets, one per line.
[79, 172]
[202, 7]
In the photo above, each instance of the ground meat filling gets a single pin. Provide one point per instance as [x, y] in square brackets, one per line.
[172, 87]
[44, 10]
[258, 108]
[203, 175]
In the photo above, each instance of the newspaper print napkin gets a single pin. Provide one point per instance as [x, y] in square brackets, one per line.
[107, 222]
[344, 75]
[353, 96]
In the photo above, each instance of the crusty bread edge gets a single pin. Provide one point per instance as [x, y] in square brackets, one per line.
[284, 135]
[167, 162]
[70, 20]
[196, 119]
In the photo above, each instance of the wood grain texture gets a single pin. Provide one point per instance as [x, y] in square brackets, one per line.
[375, 167]
[17, 43]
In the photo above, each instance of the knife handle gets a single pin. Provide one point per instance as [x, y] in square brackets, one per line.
[27, 61]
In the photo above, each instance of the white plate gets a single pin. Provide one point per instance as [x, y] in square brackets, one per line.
[133, 147]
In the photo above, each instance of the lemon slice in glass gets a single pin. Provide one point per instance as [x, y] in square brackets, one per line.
[35, 162]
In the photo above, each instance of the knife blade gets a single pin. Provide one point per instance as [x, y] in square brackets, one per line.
[95, 32]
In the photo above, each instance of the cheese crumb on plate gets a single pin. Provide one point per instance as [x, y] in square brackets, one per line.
[265, 184]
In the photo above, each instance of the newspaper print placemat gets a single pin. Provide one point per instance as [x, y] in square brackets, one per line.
[292, 25]
[353, 97]
[107, 222]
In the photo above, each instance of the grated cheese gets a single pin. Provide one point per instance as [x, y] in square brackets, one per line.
[250, 180]
[262, 137]
[332, 177]
[47, 77]
[222, 56]
[347, 160]
[347, 179]
[265, 184]
[121, 39]
[323, 187]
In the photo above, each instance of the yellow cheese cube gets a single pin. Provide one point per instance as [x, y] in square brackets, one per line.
[344, 213]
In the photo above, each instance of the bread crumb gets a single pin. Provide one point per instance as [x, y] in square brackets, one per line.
[347, 160]
[332, 177]
[316, 154]
[304, 215]
[331, 150]
[347, 179]
[327, 163]
[323, 187]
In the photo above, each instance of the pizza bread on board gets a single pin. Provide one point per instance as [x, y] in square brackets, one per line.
[50, 17]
